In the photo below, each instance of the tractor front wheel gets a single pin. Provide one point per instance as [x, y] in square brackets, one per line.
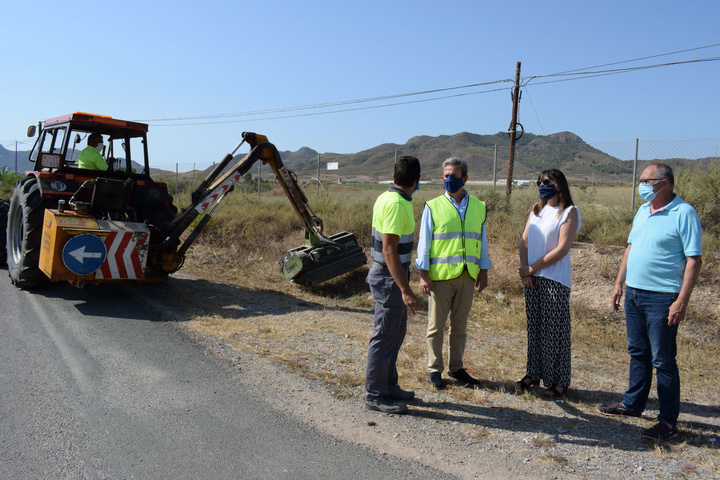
[24, 235]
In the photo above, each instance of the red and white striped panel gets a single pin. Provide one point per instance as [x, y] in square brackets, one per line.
[210, 199]
[126, 254]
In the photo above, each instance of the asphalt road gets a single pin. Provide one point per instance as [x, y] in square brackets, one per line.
[94, 383]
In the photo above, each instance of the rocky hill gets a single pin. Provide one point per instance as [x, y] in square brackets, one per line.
[533, 153]
[565, 151]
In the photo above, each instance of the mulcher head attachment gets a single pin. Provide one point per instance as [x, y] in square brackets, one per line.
[321, 260]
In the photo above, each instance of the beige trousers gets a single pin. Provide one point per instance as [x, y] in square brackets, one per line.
[454, 298]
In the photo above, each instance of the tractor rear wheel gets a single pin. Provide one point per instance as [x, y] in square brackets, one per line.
[24, 235]
[4, 207]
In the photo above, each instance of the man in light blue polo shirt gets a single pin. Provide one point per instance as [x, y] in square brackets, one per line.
[660, 268]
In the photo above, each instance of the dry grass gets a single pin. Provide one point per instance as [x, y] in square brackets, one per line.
[232, 249]
[322, 333]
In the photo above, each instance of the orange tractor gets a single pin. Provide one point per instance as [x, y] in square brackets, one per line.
[66, 223]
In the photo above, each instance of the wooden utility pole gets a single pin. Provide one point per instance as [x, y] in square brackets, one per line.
[512, 130]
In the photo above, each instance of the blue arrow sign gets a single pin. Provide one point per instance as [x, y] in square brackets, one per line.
[84, 253]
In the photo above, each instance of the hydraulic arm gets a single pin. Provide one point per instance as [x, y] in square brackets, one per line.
[321, 258]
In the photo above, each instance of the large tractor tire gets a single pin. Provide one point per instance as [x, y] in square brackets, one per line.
[24, 235]
[4, 207]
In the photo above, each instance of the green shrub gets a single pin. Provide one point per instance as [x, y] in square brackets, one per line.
[700, 187]
[605, 226]
[7, 182]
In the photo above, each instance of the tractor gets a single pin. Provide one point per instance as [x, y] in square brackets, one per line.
[113, 223]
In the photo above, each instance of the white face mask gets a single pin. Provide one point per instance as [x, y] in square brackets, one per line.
[100, 146]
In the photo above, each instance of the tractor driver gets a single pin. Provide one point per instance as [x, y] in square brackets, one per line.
[91, 156]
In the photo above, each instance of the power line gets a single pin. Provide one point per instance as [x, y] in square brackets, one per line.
[326, 105]
[334, 111]
[643, 58]
[13, 142]
[600, 73]
[533, 107]
[576, 74]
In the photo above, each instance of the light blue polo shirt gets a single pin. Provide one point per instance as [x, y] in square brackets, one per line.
[660, 244]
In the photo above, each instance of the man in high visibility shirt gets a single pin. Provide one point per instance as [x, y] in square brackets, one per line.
[90, 157]
[452, 258]
[393, 236]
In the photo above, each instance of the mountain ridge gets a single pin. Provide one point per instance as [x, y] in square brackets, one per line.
[565, 151]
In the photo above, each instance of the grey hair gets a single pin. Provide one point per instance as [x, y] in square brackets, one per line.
[454, 161]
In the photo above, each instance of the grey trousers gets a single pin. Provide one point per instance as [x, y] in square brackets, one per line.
[389, 327]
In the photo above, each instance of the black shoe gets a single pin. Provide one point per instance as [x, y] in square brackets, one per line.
[618, 408]
[463, 379]
[397, 393]
[436, 381]
[526, 383]
[659, 432]
[385, 404]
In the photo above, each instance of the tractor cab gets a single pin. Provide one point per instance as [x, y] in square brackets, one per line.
[61, 140]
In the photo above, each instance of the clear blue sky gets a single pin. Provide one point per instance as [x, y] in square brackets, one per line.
[150, 60]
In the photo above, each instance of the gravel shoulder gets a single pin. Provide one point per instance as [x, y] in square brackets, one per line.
[486, 433]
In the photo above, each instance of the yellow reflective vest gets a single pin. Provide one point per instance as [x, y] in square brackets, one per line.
[456, 244]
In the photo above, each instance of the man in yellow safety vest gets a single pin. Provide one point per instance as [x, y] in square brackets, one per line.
[452, 258]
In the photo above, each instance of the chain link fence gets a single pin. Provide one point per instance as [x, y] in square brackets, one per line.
[584, 164]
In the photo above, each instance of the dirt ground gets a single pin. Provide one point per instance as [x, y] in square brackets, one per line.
[486, 433]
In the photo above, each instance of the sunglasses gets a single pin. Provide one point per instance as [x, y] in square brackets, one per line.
[544, 181]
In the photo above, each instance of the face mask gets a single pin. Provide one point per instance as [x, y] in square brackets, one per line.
[453, 184]
[417, 187]
[100, 147]
[646, 192]
[547, 192]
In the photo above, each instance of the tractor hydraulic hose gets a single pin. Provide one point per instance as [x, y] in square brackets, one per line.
[200, 190]
[189, 216]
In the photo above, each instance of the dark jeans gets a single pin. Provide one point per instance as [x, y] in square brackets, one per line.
[651, 343]
[389, 327]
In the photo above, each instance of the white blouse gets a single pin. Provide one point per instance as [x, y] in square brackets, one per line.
[544, 236]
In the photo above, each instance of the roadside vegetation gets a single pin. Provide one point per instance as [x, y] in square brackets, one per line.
[7, 182]
[322, 332]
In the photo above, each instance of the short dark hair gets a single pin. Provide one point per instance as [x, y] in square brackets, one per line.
[664, 171]
[406, 171]
[95, 138]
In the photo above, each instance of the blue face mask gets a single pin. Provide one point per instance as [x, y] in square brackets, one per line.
[453, 184]
[646, 192]
[547, 192]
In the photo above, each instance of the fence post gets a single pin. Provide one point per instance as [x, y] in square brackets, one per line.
[495, 168]
[317, 188]
[632, 201]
